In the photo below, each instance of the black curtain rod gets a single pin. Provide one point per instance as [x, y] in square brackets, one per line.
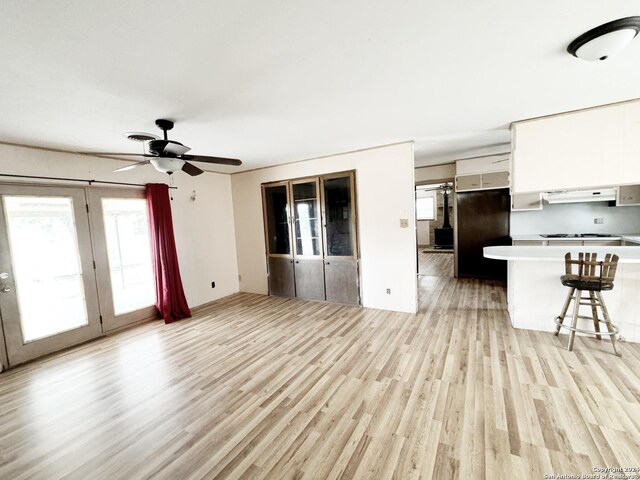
[90, 182]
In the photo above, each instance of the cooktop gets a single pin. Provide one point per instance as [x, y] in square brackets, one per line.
[575, 235]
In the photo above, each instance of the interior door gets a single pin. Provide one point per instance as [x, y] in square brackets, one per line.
[122, 249]
[48, 294]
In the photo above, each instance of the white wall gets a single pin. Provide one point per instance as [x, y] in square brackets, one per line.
[385, 192]
[204, 229]
[484, 164]
[576, 218]
[435, 172]
[424, 233]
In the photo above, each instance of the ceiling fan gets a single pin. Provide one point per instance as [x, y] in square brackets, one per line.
[166, 155]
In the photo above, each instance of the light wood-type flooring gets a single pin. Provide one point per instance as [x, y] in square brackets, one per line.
[435, 263]
[262, 387]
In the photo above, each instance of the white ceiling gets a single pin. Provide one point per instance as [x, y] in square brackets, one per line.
[277, 81]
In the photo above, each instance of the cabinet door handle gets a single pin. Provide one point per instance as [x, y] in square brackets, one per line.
[328, 263]
[297, 261]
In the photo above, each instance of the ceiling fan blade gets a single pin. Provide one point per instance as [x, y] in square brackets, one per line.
[191, 169]
[107, 154]
[205, 159]
[175, 149]
[132, 166]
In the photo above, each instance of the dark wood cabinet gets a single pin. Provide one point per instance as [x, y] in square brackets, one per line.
[310, 237]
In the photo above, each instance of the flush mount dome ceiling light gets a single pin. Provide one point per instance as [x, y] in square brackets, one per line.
[600, 42]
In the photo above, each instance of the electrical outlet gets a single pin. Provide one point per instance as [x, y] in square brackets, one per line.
[239, 278]
[213, 284]
[388, 291]
[598, 221]
[404, 223]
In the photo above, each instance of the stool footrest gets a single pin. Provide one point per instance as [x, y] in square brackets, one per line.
[558, 321]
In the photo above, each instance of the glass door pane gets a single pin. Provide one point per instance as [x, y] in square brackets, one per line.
[307, 218]
[46, 265]
[275, 198]
[338, 217]
[129, 253]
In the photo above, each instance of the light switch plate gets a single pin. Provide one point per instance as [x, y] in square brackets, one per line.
[404, 223]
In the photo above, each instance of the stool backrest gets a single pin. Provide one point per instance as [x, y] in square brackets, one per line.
[589, 268]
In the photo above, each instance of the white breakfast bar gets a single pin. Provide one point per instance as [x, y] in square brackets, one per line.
[535, 295]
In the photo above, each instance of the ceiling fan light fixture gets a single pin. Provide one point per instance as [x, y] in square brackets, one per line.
[140, 136]
[601, 42]
[167, 164]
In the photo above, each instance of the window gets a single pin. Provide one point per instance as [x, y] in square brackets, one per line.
[426, 204]
[129, 253]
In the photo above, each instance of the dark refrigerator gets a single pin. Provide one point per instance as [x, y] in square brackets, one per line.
[483, 221]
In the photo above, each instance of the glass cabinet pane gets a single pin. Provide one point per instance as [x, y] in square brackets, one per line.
[337, 204]
[307, 221]
[277, 221]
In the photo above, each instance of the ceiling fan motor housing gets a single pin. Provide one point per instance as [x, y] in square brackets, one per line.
[167, 148]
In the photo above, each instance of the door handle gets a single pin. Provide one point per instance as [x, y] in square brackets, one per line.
[6, 289]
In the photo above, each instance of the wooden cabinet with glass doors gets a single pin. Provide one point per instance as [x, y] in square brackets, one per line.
[311, 241]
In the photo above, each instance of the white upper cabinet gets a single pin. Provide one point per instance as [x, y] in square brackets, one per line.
[589, 148]
[628, 195]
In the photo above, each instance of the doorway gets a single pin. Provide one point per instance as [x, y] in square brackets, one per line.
[434, 231]
[68, 273]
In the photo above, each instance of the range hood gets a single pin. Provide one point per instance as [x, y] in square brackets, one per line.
[575, 196]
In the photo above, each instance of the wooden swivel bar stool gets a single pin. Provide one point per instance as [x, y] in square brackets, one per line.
[594, 277]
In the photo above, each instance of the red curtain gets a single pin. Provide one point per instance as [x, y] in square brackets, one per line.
[170, 299]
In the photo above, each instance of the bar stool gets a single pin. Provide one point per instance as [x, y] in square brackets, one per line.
[590, 280]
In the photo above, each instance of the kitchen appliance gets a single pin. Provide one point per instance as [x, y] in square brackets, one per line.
[482, 221]
[575, 196]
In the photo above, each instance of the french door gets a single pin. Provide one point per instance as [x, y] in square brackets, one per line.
[122, 253]
[48, 294]
[74, 264]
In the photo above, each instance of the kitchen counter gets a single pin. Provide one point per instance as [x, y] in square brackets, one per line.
[631, 239]
[557, 253]
[535, 295]
[586, 239]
